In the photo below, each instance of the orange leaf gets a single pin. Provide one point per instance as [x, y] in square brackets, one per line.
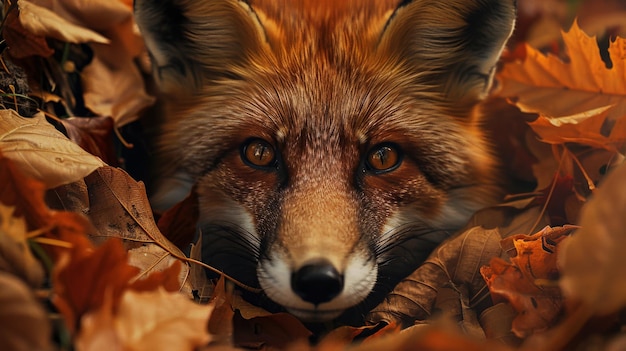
[533, 260]
[582, 99]
[82, 280]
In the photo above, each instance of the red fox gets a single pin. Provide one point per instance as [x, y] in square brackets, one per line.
[332, 144]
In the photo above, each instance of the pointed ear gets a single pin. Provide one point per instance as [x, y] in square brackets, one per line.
[451, 46]
[194, 42]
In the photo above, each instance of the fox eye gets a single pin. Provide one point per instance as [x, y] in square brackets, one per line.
[258, 153]
[383, 158]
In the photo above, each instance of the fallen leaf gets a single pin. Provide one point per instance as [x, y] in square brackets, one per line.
[22, 43]
[119, 208]
[26, 195]
[41, 21]
[82, 280]
[155, 320]
[552, 87]
[41, 151]
[94, 135]
[275, 331]
[15, 255]
[24, 325]
[593, 260]
[533, 260]
[126, 101]
[457, 261]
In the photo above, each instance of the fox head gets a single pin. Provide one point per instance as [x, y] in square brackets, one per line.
[332, 144]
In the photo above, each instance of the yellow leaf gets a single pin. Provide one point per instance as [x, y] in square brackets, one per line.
[42, 152]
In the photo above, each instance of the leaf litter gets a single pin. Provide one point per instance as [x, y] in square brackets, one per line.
[495, 286]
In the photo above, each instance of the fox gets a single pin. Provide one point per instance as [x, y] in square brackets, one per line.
[332, 145]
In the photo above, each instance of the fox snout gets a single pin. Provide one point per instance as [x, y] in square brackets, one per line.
[332, 144]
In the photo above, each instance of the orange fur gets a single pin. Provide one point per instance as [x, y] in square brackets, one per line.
[325, 84]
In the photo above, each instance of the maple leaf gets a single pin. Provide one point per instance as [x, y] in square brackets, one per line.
[41, 151]
[582, 92]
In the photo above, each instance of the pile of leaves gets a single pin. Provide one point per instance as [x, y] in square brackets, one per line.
[84, 265]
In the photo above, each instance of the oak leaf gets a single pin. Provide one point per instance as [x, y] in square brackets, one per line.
[41, 151]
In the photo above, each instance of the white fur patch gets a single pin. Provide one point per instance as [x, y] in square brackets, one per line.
[275, 278]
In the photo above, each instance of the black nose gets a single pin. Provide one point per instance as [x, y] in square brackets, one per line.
[317, 281]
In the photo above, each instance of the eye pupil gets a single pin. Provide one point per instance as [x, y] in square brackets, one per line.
[383, 158]
[258, 152]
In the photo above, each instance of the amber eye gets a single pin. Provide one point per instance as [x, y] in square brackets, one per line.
[383, 158]
[258, 153]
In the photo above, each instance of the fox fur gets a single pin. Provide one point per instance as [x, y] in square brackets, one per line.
[327, 88]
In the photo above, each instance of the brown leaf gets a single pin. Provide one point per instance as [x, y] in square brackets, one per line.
[41, 151]
[533, 260]
[221, 322]
[593, 260]
[22, 43]
[119, 208]
[94, 135]
[24, 325]
[457, 261]
[274, 331]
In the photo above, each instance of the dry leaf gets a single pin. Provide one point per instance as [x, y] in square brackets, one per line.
[42, 152]
[94, 135]
[22, 43]
[127, 100]
[456, 261]
[26, 195]
[549, 86]
[41, 21]
[82, 280]
[15, 255]
[533, 260]
[119, 208]
[24, 325]
[593, 260]
[149, 321]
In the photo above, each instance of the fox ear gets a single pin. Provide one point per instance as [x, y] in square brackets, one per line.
[451, 45]
[192, 42]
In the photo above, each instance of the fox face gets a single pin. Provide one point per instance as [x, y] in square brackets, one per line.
[332, 145]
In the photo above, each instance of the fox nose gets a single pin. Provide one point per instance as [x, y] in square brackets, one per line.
[317, 281]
